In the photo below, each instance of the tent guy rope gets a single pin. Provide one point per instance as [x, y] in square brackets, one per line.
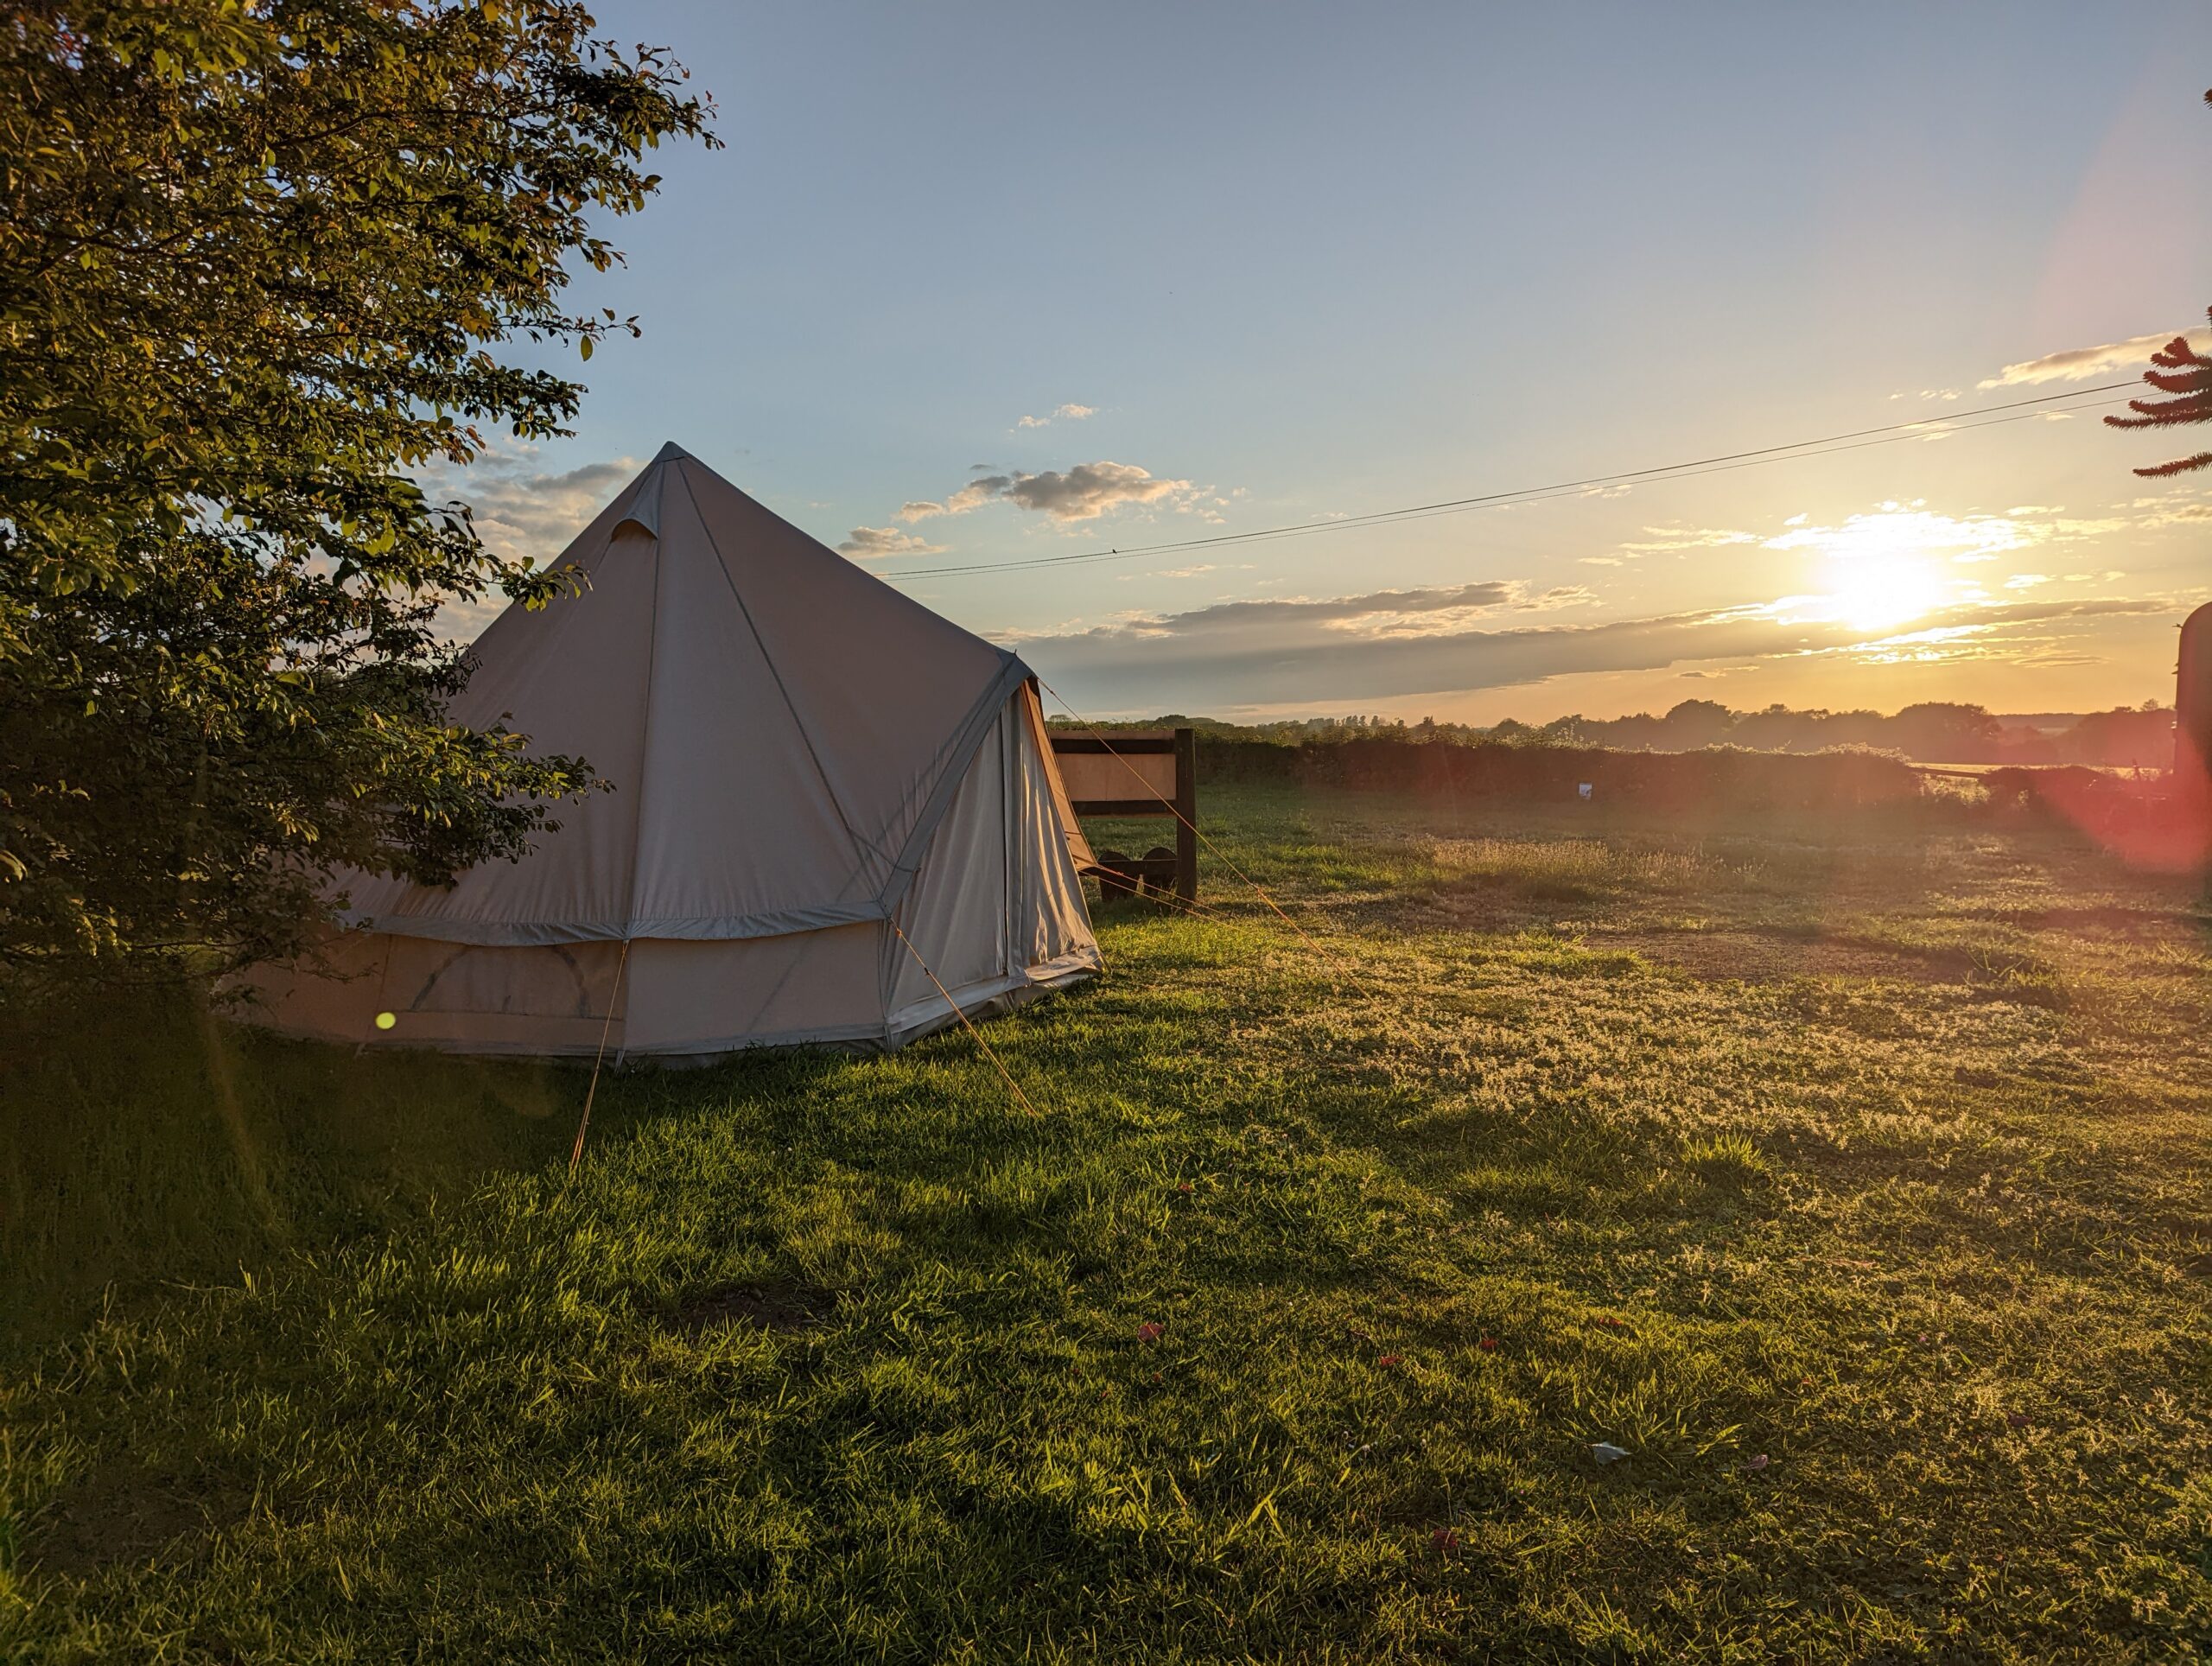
[964, 1023]
[613, 1000]
[1219, 855]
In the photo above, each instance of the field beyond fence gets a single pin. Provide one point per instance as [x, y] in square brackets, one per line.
[2140, 817]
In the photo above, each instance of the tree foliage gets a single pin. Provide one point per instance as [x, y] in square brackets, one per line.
[260, 262]
[2185, 376]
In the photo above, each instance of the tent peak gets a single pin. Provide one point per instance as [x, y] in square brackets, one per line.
[645, 509]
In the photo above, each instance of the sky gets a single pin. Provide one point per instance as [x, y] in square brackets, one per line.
[984, 284]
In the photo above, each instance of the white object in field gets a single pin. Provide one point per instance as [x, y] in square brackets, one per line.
[1607, 1453]
[1584, 789]
[806, 763]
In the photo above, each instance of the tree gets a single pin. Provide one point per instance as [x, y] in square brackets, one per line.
[256, 263]
[1694, 724]
[1946, 732]
[2185, 376]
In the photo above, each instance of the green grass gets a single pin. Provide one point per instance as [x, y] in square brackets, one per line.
[1852, 1176]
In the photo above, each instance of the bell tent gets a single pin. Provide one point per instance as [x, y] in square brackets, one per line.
[835, 816]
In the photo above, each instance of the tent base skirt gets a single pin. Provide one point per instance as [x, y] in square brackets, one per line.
[977, 1002]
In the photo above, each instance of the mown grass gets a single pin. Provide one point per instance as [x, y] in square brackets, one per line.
[1853, 1178]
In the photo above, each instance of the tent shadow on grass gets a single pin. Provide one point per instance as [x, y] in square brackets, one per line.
[142, 1146]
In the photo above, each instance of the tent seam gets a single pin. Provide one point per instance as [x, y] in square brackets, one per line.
[776, 671]
[965, 748]
[644, 728]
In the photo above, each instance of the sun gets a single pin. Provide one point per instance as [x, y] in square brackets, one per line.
[1893, 566]
[1877, 592]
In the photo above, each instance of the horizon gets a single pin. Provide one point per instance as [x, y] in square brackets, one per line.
[1294, 321]
[1313, 718]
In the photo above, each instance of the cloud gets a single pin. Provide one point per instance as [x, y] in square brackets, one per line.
[2080, 364]
[1906, 531]
[1313, 652]
[2167, 512]
[1672, 539]
[523, 512]
[1898, 530]
[874, 542]
[1088, 490]
[974, 495]
[2014, 633]
[1194, 571]
[1083, 492]
[1067, 413]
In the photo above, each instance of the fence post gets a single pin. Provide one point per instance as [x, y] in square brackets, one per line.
[1187, 814]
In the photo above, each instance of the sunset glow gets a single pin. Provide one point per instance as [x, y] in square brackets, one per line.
[1166, 469]
[1885, 591]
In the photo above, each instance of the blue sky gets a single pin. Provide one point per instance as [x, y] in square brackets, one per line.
[1247, 264]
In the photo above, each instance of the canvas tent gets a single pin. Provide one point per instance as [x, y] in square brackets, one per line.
[807, 764]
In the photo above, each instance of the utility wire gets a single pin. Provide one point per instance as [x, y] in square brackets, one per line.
[1856, 439]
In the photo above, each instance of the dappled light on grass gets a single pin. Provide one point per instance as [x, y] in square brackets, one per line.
[1293, 1328]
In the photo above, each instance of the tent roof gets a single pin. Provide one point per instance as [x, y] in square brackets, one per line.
[782, 729]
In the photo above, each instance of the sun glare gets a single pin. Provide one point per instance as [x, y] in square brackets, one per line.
[1876, 593]
[1889, 568]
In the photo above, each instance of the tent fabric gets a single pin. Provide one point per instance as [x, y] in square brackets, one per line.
[802, 758]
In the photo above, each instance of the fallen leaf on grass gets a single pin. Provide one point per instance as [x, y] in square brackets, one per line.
[1444, 1539]
[1759, 1462]
[1149, 1331]
[1391, 1359]
[1488, 1344]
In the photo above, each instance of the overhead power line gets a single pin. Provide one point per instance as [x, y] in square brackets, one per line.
[1855, 440]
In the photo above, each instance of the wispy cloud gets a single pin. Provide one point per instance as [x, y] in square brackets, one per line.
[873, 543]
[1315, 652]
[2016, 633]
[1899, 529]
[1083, 492]
[1067, 413]
[2080, 364]
[1194, 571]
[1673, 539]
[974, 495]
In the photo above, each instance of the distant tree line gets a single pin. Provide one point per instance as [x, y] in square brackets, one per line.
[1934, 732]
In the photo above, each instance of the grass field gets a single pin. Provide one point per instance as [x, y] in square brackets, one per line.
[1852, 1178]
